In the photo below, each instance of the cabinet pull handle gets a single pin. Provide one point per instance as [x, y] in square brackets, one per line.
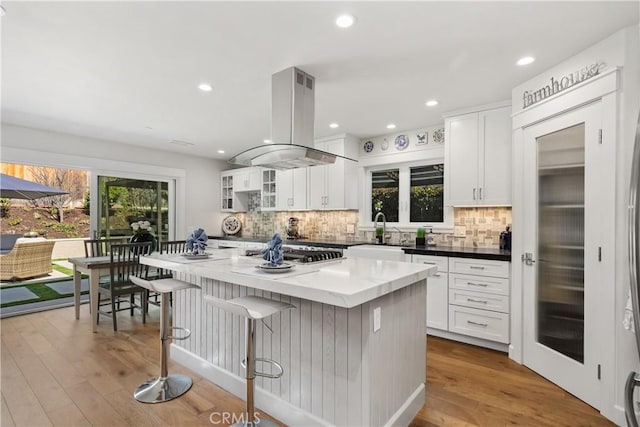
[480, 193]
[471, 322]
[484, 285]
[436, 275]
[476, 267]
[474, 194]
[476, 300]
[430, 263]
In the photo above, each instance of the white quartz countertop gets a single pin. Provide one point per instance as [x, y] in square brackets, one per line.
[344, 283]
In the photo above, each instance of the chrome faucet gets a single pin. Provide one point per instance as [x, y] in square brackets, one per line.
[384, 225]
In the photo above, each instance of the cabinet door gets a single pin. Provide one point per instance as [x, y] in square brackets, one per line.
[494, 182]
[317, 182]
[437, 301]
[299, 189]
[335, 178]
[462, 138]
[284, 187]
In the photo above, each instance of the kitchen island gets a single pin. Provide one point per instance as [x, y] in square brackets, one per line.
[338, 370]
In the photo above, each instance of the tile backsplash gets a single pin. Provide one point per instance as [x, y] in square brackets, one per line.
[339, 225]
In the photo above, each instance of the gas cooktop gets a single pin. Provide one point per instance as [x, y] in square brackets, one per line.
[303, 255]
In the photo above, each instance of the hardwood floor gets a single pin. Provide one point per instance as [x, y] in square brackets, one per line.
[56, 372]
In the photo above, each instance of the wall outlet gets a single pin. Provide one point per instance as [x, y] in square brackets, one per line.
[377, 314]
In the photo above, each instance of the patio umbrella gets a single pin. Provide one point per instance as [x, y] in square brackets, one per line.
[16, 188]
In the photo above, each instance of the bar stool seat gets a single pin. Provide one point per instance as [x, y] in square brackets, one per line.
[252, 308]
[165, 387]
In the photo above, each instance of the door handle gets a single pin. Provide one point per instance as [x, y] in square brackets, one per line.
[527, 258]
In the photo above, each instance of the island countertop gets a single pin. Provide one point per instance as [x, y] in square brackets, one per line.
[346, 282]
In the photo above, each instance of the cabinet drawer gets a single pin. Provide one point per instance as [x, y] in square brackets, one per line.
[479, 300]
[441, 261]
[481, 267]
[489, 325]
[467, 282]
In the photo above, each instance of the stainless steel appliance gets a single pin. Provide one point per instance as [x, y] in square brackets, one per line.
[292, 111]
[307, 255]
[633, 380]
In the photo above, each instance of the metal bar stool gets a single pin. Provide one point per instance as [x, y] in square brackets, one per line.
[252, 308]
[165, 387]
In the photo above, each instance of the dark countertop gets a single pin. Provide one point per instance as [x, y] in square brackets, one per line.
[478, 253]
[450, 251]
[333, 243]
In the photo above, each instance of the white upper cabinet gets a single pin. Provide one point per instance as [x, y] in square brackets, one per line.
[247, 179]
[335, 186]
[292, 189]
[478, 158]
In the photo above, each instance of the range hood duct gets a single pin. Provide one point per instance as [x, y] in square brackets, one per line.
[292, 120]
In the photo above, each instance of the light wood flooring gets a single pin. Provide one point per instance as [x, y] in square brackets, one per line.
[54, 371]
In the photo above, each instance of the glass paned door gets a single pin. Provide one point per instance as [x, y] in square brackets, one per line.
[560, 295]
[561, 232]
[124, 201]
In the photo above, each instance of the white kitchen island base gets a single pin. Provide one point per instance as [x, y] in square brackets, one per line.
[337, 371]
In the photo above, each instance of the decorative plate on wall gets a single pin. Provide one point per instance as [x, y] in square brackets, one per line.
[422, 138]
[384, 145]
[402, 142]
[231, 225]
[438, 135]
[368, 146]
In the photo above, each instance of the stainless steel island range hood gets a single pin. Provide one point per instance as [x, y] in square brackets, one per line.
[292, 119]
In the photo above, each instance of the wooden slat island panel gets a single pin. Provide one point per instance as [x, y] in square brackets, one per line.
[337, 370]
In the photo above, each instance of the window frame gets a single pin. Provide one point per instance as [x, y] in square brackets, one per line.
[404, 198]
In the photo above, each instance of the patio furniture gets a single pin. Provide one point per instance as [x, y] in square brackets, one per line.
[29, 257]
[101, 247]
[7, 241]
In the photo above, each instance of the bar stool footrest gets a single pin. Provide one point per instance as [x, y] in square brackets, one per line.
[263, 374]
[159, 389]
[178, 328]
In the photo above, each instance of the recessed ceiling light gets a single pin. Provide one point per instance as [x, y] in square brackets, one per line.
[345, 21]
[220, 151]
[205, 87]
[391, 126]
[267, 141]
[334, 125]
[525, 60]
[431, 103]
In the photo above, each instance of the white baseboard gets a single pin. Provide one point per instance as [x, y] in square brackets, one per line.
[272, 404]
[469, 340]
[407, 412]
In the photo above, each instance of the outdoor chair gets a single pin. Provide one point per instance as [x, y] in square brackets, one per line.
[124, 264]
[101, 247]
[29, 257]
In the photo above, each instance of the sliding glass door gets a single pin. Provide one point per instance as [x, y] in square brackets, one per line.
[122, 202]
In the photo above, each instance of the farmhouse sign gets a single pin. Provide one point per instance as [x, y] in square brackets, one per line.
[563, 83]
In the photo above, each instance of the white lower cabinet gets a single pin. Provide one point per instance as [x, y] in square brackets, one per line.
[437, 291]
[469, 297]
[489, 325]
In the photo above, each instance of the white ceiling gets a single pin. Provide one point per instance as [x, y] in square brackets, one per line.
[128, 71]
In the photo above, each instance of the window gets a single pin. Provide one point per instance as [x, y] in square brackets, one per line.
[427, 194]
[409, 195]
[385, 189]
